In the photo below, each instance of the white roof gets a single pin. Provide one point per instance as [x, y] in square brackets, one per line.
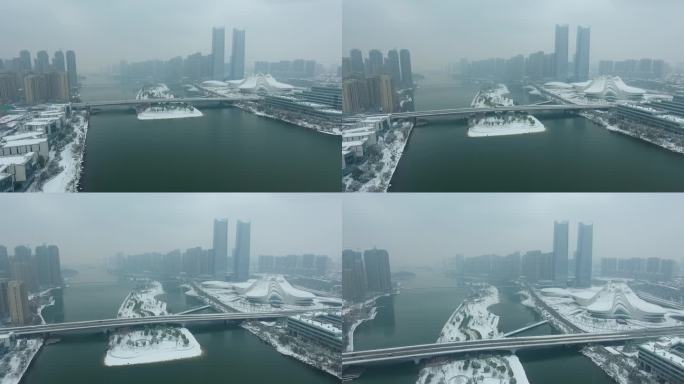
[8, 118]
[23, 142]
[14, 160]
[21, 136]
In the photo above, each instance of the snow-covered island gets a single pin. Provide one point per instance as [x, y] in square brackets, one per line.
[509, 124]
[151, 344]
[162, 110]
[471, 321]
[496, 96]
[16, 360]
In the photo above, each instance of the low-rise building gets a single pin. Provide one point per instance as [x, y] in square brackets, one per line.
[21, 167]
[38, 145]
[664, 359]
[6, 180]
[648, 115]
[317, 328]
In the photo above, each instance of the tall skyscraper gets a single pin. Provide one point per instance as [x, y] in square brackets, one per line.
[582, 53]
[375, 62]
[25, 61]
[71, 68]
[220, 247]
[18, 302]
[353, 276]
[4, 299]
[218, 53]
[242, 249]
[42, 62]
[393, 67]
[58, 62]
[583, 262]
[406, 71]
[378, 276]
[560, 253]
[237, 56]
[55, 265]
[561, 52]
[387, 98]
[356, 58]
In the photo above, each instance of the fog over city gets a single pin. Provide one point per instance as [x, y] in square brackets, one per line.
[105, 32]
[438, 32]
[420, 229]
[90, 227]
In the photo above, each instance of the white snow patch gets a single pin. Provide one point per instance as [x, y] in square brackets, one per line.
[505, 126]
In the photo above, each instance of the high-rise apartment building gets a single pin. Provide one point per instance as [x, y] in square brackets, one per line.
[237, 56]
[378, 275]
[406, 70]
[218, 53]
[242, 251]
[59, 62]
[220, 247]
[353, 276]
[72, 74]
[582, 53]
[18, 302]
[583, 262]
[561, 52]
[560, 253]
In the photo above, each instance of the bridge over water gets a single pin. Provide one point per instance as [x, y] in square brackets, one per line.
[461, 113]
[135, 102]
[416, 353]
[90, 326]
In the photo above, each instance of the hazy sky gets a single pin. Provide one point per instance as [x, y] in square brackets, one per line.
[88, 227]
[442, 31]
[103, 32]
[423, 229]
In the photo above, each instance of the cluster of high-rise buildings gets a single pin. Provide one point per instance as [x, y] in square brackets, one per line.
[539, 65]
[216, 262]
[645, 68]
[41, 81]
[371, 84]
[304, 265]
[651, 268]
[537, 266]
[365, 274]
[195, 66]
[287, 69]
[25, 272]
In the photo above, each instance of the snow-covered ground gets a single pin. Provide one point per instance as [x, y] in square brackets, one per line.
[156, 91]
[169, 112]
[71, 160]
[493, 97]
[472, 320]
[16, 361]
[391, 149]
[504, 126]
[154, 343]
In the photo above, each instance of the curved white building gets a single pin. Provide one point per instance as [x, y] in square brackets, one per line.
[610, 88]
[613, 301]
[274, 290]
[261, 84]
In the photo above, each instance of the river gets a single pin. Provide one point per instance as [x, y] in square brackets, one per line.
[229, 352]
[226, 150]
[418, 313]
[573, 155]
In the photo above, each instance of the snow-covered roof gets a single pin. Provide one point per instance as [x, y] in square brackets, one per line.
[214, 83]
[21, 136]
[8, 118]
[16, 160]
[609, 86]
[663, 349]
[23, 142]
[266, 83]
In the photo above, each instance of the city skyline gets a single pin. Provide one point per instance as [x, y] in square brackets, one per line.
[442, 225]
[116, 33]
[505, 29]
[280, 224]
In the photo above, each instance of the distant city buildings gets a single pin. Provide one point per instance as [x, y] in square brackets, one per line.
[364, 274]
[651, 268]
[371, 85]
[41, 82]
[303, 265]
[20, 312]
